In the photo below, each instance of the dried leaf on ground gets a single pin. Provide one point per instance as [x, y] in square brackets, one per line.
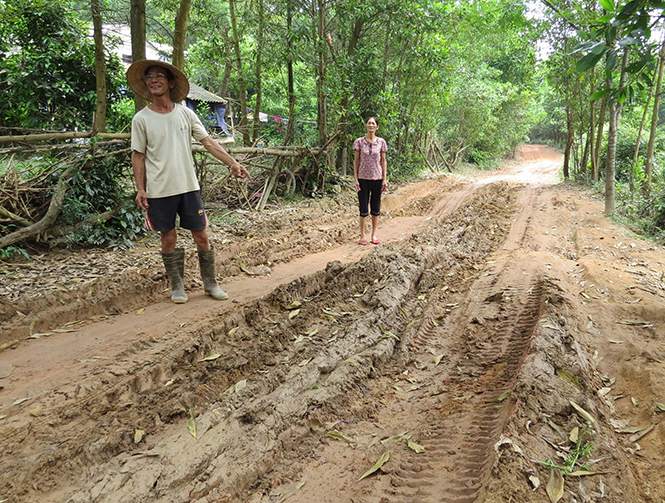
[339, 436]
[574, 435]
[583, 413]
[138, 436]
[9, 344]
[631, 429]
[390, 334]
[554, 486]
[240, 385]
[361, 294]
[382, 461]
[642, 433]
[438, 359]
[634, 400]
[140, 311]
[660, 406]
[569, 377]
[294, 305]
[305, 362]
[209, 358]
[584, 473]
[535, 481]
[285, 491]
[636, 323]
[294, 313]
[415, 447]
[396, 438]
[502, 396]
[191, 424]
[555, 427]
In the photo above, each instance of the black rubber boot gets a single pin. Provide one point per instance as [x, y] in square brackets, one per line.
[175, 270]
[209, 275]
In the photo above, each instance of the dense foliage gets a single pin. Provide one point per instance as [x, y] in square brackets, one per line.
[47, 76]
[459, 78]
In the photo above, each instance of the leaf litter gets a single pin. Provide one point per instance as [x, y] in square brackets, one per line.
[381, 461]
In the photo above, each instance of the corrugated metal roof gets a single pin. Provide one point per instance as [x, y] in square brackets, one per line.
[200, 94]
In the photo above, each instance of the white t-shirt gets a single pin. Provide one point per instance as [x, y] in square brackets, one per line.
[166, 141]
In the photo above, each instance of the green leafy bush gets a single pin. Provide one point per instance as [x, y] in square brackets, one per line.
[95, 189]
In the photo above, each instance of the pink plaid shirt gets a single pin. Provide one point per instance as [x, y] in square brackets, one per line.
[370, 157]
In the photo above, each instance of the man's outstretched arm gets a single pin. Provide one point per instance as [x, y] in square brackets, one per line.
[218, 151]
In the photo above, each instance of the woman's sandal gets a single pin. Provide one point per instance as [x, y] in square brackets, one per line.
[375, 241]
[362, 242]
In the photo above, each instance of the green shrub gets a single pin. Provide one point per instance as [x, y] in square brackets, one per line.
[98, 188]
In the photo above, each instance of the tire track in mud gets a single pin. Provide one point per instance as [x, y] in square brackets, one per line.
[459, 445]
[472, 399]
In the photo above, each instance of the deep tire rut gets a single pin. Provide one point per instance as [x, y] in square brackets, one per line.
[460, 442]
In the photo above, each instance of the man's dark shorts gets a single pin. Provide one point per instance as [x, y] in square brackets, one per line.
[162, 211]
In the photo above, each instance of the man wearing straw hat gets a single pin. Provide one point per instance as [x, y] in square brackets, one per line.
[164, 170]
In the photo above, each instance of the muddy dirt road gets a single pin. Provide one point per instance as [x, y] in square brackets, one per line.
[503, 342]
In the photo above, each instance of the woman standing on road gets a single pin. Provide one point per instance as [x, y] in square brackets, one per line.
[369, 171]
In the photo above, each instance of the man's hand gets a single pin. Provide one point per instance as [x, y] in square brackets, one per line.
[239, 171]
[142, 200]
[218, 151]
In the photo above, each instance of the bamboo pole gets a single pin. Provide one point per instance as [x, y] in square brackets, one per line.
[276, 151]
[62, 136]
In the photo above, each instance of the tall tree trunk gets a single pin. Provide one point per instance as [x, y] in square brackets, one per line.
[242, 87]
[595, 176]
[585, 156]
[137, 15]
[638, 143]
[289, 60]
[228, 65]
[289, 71]
[648, 165]
[100, 69]
[181, 20]
[610, 165]
[386, 52]
[570, 138]
[592, 131]
[343, 147]
[259, 50]
[322, 110]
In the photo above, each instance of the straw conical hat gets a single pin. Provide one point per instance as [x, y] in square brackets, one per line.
[135, 79]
